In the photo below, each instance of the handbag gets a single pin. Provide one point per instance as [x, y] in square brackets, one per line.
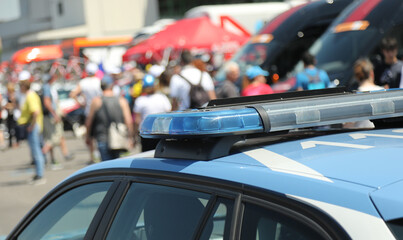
[117, 133]
[117, 136]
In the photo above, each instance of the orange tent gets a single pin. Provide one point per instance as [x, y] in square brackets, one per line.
[36, 54]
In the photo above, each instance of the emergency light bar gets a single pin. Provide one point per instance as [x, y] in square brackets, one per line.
[274, 116]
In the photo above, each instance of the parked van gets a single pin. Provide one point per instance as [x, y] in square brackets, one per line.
[243, 18]
[357, 33]
[280, 44]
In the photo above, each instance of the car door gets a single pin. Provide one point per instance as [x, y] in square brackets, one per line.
[194, 207]
[138, 206]
[156, 208]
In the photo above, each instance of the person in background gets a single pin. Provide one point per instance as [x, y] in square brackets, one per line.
[103, 110]
[137, 83]
[255, 83]
[21, 131]
[228, 89]
[89, 87]
[115, 73]
[32, 118]
[12, 116]
[160, 74]
[311, 77]
[164, 80]
[150, 102]
[364, 75]
[180, 88]
[156, 70]
[199, 64]
[53, 132]
[177, 68]
[127, 81]
[2, 128]
[388, 72]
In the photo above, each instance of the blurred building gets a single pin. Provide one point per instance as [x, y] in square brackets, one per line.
[26, 23]
[41, 22]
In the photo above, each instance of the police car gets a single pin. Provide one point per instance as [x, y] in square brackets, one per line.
[263, 167]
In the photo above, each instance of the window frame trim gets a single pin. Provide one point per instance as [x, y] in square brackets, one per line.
[139, 177]
[298, 209]
[284, 211]
[122, 178]
[237, 191]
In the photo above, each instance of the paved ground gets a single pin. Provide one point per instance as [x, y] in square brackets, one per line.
[17, 197]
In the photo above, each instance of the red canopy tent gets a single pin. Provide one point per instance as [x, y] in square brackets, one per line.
[193, 34]
[36, 54]
[141, 53]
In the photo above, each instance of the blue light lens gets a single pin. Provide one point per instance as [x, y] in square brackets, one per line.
[216, 122]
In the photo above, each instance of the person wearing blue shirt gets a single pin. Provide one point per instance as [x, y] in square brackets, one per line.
[311, 77]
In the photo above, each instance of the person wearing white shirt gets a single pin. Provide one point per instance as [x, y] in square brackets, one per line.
[364, 74]
[89, 87]
[150, 102]
[179, 87]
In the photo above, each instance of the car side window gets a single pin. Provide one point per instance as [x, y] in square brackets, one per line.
[69, 216]
[396, 226]
[262, 223]
[151, 212]
[219, 223]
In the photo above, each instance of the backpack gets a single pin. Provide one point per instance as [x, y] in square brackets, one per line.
[198, 96]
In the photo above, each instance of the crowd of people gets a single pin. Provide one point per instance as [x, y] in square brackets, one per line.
[126, 95]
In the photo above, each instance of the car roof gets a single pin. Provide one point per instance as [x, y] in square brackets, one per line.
[330, 168]
[358, 170]
[369, 158]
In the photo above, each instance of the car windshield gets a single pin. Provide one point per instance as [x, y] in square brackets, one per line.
[252, 54]
[337, 51]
